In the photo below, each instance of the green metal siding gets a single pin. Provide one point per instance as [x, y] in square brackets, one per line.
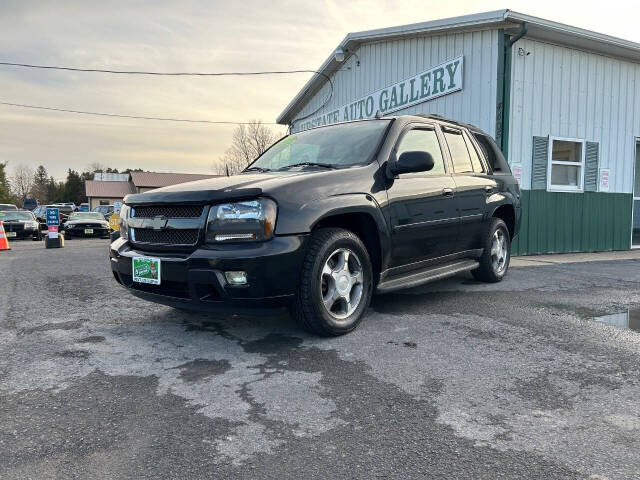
[555, 222]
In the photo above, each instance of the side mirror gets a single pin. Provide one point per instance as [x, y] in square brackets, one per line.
[410, 162]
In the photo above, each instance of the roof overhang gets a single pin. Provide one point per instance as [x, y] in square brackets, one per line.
[510, 21]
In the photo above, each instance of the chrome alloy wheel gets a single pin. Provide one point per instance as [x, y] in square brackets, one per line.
[342, 283]
[499, 251]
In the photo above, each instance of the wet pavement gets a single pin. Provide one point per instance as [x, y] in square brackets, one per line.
[535, 377]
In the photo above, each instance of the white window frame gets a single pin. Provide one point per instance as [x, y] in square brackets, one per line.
[551, 162]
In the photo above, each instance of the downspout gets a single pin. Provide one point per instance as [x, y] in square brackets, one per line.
[504, 87]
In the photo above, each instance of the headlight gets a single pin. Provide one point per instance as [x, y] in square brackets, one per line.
[125, 211]
[246, 221]
[68, 225]
[31, 224]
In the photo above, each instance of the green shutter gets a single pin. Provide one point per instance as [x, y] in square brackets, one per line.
[591, 161]
[540, 163]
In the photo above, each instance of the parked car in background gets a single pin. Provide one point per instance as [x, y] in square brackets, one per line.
[20, 224]
[86, 224]
[70, 204]
[7, 206]
[105, 210]
[325, 218]
[41, 214]
[84, 207]
[30, 203]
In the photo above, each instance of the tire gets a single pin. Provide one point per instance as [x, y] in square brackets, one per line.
[321, 305]
[494, 264]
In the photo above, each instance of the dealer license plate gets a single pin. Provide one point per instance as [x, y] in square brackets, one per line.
[11, 234]
[146, 270]
[88, 231]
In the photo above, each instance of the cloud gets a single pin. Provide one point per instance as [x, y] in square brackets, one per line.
[182, 36]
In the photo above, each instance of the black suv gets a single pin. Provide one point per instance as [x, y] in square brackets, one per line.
[325, 218]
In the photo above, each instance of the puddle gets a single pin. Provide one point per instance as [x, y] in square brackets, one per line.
[629, 320]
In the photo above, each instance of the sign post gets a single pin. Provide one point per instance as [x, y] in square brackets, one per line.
[53, 238]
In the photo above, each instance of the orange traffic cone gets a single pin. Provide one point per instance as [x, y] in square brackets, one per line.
[4, 241]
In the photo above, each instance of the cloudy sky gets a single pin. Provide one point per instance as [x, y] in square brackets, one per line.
[189, 35]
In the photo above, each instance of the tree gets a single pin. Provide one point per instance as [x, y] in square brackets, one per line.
[249, 142]
[74, 188]
[5, 190]
[39, 188]
[55, 192]
[22, 181]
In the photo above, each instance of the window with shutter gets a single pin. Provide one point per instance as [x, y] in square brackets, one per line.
[591, 164]
[540, 163]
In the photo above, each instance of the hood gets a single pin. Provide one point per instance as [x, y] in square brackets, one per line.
[235, 187]
[86, 220]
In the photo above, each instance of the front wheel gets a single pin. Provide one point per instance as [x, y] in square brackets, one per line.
[335, 284]
[496, 253]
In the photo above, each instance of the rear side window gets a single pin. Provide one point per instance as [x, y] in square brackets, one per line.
[459, 153]
[423, 141]
[492, 153]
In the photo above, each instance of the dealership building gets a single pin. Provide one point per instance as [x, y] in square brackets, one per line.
[563, 103]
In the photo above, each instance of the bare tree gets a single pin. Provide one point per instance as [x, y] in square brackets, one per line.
[96, 167]
[249, 142]
[22, 181]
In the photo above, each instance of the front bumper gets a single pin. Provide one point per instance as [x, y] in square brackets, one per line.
[79, 232]
[21, 232]
[196, 280]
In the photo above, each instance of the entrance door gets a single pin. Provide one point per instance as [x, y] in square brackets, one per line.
[635, 228]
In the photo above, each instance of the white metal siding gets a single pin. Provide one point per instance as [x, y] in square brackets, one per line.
[387, 62]
[564, 92]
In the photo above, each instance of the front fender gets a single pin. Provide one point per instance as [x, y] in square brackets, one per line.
[295, 218]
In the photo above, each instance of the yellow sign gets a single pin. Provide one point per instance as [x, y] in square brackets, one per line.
[113, 221]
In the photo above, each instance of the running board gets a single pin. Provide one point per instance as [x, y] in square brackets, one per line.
[426, 275]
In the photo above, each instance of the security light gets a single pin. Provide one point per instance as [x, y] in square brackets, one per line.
[339, 55]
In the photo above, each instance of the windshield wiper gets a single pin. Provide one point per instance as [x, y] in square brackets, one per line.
[309, 164]
[256, 169]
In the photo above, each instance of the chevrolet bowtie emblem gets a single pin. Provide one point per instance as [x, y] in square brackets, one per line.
[158, 223]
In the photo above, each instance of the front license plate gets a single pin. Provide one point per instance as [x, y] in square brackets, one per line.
[146, 270]
[88, 231]
[11, 234]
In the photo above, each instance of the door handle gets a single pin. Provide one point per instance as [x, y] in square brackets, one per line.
[447, 192]
[489, 189]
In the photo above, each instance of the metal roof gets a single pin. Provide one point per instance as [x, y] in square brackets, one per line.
[508, 20]
[157, 179]
[97, 188]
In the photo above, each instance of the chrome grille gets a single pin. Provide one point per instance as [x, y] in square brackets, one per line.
[165, 237]
[169, 211]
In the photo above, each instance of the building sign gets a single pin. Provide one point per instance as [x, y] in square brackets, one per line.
[603, 184]
[435, 82]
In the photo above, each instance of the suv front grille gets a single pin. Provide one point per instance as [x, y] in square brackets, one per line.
[166, 237]
[169, 211]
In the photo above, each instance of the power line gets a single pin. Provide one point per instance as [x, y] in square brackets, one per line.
[172, 74]
[164, 119]
[176, 74]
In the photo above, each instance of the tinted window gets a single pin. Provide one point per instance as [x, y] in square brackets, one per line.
[423, 141]
[492, 153]
[475, 159]
[339, 145]
[459, 153]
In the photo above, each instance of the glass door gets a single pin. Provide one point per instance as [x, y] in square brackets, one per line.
[635, 228]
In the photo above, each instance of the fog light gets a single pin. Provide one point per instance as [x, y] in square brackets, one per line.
[236, 278]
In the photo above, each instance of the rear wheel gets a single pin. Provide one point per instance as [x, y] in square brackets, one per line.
[335, 284]
[496, 253]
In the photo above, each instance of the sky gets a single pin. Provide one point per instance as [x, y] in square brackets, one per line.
[189, 35]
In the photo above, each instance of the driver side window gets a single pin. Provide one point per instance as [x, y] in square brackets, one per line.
[423, 141]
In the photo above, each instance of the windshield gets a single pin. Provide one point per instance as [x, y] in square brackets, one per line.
[15, 215]
[62, 208]
[339, 145]
[86, 215]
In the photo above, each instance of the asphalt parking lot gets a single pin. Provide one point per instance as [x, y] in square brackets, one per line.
[457, 379]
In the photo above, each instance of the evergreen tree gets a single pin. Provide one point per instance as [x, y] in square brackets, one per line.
[74, 188]
[39, 189]
[5, 191]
